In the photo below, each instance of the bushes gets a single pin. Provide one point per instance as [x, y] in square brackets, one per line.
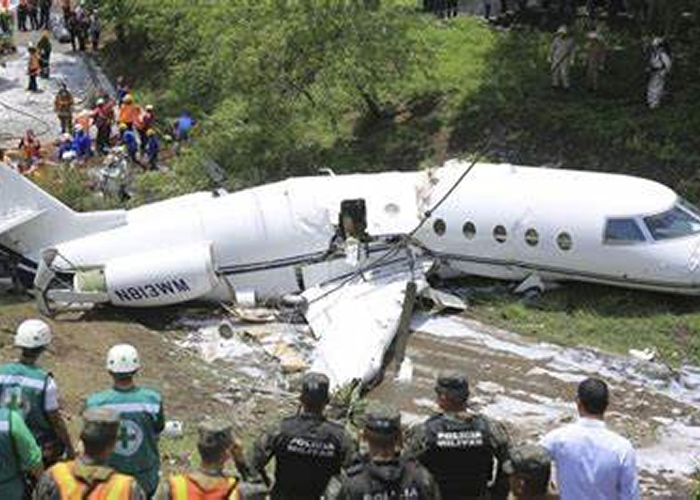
[272, 82]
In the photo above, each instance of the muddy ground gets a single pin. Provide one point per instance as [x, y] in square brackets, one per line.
[528, 386]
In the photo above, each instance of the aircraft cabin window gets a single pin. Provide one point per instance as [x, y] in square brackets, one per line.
[675, 223]
[564, 241]
[439, 227]
[623, 231]
[532, 237]
[469, 230]
[500, 234]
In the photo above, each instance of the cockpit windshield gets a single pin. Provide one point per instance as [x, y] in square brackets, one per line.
[682, 220]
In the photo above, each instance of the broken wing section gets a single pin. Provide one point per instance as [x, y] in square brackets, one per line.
[357, 321]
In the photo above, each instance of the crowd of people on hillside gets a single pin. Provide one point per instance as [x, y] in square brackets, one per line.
[563, 50]
[456, 454]
[562, 56]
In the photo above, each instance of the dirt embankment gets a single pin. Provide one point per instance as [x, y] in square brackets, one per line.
[192, 389]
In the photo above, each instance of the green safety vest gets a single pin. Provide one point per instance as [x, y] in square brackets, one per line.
[11, 481]
[23, 388]
[136, 451]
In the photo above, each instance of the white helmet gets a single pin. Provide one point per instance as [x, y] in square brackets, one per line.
[33, 333]
[123, 358]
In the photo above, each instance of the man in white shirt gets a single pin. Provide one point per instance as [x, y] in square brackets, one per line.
[593, 462]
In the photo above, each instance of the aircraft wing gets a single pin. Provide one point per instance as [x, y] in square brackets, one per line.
[357, 322]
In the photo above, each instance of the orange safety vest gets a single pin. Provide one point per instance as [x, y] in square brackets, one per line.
[184, 488]
[129, 113]
[117, 487]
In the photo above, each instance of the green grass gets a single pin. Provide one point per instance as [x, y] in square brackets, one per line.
[605, 318]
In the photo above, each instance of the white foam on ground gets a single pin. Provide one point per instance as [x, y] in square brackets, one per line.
[568, 363]
[676, 453]
[527, 414]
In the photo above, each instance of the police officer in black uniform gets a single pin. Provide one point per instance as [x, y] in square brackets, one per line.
[308, 449]
[464, 451]
[383, 473]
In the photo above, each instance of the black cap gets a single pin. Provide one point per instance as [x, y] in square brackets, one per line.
[453, 384]
[528, 460]
[383, 420]
[314, 388]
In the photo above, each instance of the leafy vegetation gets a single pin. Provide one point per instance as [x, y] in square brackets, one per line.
[284, 88]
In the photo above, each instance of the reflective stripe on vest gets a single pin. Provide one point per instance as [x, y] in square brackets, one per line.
[9, 466]
[117, 487]
[183, 488]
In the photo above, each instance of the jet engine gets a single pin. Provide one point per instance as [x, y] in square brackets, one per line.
[157, 278]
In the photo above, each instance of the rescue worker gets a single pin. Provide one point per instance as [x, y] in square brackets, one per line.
[464, 451]
[129, 111]
[22, 11]
[73, 27]
[308, 449]
[529, 469]
[32, 391]
[95, 30]
[30, 147]
[660, 64]
[152, 149]
[144, 123]
[103, 117]
[487, 9]
[20, 455]
[33, 68]
[383, 473]
[45, 14]
[122, 90]
[82, 143]
[33, 14]
[595, 60]
[216, 446]
[142, 418]
[45, 49]
[63, 106]
[129, 141]
[183, 127]
[90, 477]
[561, 57]
[67, 8]
[64, 151]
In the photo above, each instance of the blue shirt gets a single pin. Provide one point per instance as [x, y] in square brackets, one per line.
[129, 140]
[593, 462]
[82, 144]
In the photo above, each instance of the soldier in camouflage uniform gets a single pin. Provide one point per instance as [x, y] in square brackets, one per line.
[216, 446]
[89, 477]
[383, 473]
[464, 451]
[529, 469]
[308, 449]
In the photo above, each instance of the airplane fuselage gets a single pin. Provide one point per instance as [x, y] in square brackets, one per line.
[501, 222]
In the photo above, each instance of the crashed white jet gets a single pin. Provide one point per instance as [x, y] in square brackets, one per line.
[320, 236]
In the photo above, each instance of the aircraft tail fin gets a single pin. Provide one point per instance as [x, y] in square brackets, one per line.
[37, 220]
[21, 201]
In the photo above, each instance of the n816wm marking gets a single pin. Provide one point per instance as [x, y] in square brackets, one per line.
[152, 290]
